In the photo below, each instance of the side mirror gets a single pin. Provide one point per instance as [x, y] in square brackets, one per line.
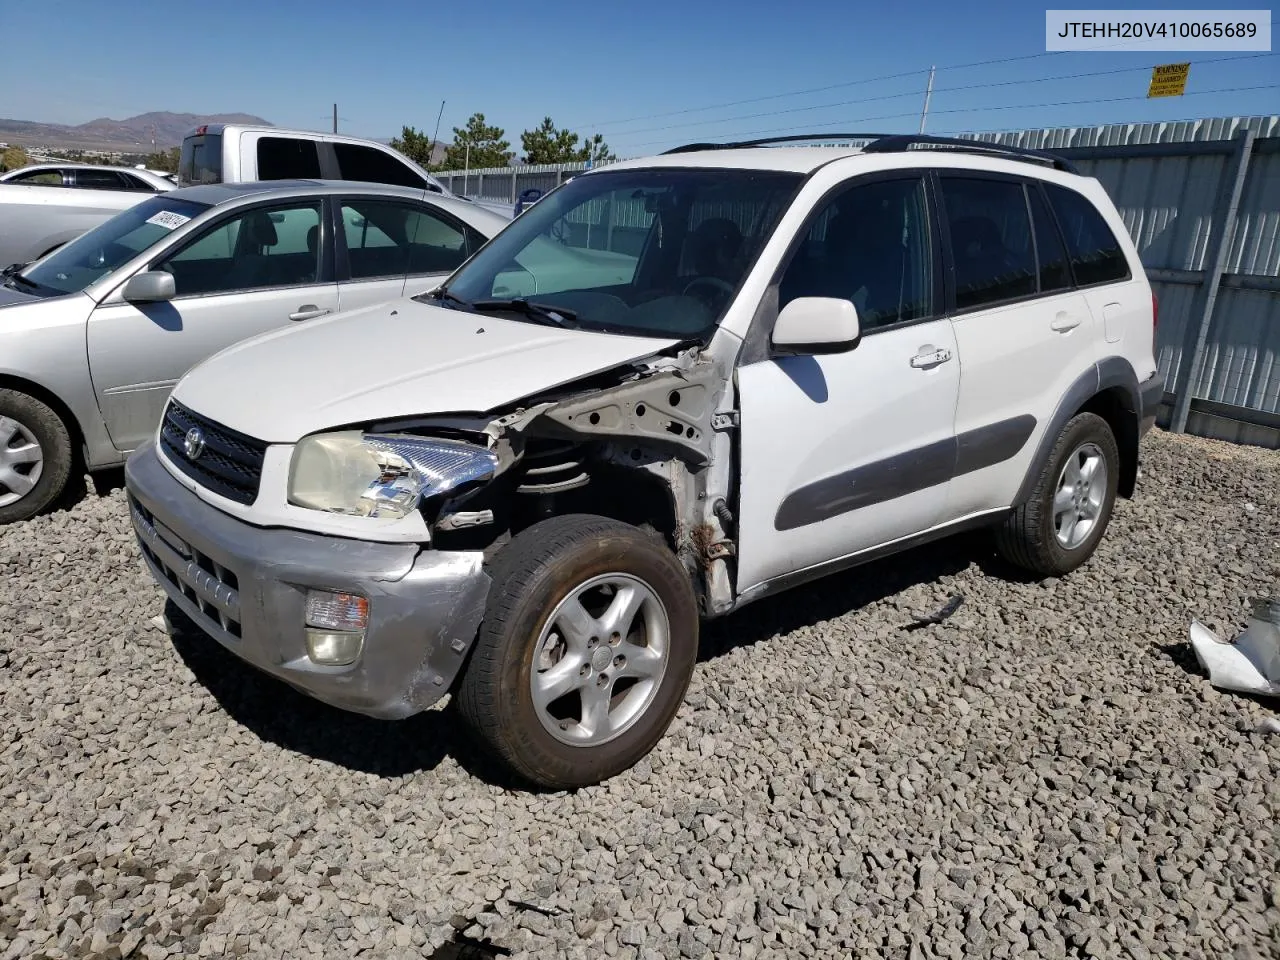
[817, 325]
[149, 287]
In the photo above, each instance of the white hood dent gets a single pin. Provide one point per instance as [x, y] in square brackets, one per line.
[393, 360]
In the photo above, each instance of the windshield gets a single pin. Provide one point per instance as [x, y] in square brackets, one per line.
[109, 245]
[658, 253]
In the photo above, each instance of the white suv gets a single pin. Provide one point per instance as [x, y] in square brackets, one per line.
[671, 387]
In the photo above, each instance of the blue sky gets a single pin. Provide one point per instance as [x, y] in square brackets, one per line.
[599, 67]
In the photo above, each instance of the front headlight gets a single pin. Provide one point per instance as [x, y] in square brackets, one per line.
[381, 475]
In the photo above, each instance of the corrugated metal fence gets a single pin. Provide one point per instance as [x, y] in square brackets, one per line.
[1201, 200]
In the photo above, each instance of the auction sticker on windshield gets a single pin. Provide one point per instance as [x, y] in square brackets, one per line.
[168, 219]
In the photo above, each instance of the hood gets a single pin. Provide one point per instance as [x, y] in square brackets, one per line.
[396, 359]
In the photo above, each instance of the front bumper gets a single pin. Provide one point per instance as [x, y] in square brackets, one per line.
[246, 587]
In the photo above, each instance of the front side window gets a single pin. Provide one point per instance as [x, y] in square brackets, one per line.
[288, 158]
[259, 248]
[1096, 254]
[367, 165]
[990, 241]
[657, 253]
[43, 178]
[870, 245]
[110, 245]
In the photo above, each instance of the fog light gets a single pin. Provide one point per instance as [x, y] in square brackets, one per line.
[335, 627]
[333, 648]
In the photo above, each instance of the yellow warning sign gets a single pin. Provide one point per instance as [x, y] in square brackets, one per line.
[1169, 80]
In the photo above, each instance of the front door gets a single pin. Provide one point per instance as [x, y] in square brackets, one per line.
[253, 271]
[844, 452]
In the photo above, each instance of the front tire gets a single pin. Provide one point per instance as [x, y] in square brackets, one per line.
[35, 456]
[585, 652]
[1060, 525]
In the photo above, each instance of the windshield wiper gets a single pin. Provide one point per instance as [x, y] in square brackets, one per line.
[444, 293]
[540, 312]
[11, 269]
[12, 280]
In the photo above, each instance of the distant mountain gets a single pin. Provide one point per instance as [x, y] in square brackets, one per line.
[134, 134]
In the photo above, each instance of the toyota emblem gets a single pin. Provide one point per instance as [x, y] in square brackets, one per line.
[193, 443]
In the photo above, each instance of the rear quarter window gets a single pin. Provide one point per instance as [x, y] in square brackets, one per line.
[1096, 253]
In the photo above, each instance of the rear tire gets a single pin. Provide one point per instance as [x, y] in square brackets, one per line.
[1060, 525]
[585, 652]
[35, 456]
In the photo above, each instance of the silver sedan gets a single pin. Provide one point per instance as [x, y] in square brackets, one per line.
[94, 336]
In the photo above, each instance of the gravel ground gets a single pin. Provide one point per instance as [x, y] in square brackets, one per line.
[1045, 774]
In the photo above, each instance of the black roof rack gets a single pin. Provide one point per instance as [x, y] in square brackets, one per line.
[897, 142]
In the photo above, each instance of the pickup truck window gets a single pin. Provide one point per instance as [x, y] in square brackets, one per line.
[288, 158]
[106, 247]
[373, 166]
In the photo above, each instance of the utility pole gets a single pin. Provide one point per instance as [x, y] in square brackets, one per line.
[335, 118]
[431, 147]
[928, 93]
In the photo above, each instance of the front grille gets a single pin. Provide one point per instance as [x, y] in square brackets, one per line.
[230, 463]
[210, 587]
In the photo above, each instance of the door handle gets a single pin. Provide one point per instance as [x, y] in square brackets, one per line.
[1064, 322]
[308, 311]
[930, 358]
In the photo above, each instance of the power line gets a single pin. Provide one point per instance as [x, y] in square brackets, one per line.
[915, 93]
[957, 110]
[853, 83]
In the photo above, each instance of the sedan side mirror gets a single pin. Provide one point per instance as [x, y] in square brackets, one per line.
[817, 325]
[148, 287]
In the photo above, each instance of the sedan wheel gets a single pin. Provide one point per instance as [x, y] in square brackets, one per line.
[21, 461]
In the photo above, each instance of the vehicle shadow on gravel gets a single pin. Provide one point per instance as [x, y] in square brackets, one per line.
[277, 713]
[840, 594]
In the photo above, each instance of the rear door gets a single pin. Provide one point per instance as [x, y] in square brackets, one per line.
[249, 272]
[1023, 332]
[384, 242]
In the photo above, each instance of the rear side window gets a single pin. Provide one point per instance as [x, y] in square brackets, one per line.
[1054, 272]
[200, 160]
[288, 158]
[1096, 254]
[368, 165]
[100, 180]
[990, 241]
